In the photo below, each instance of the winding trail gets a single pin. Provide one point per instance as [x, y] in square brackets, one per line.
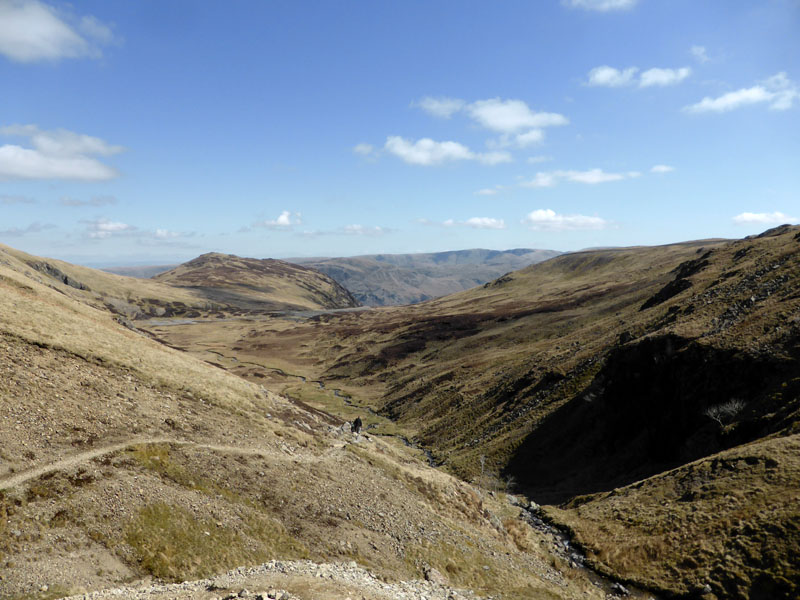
[74, 460]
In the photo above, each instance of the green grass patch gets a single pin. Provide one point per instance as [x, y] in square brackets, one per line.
[172, 544]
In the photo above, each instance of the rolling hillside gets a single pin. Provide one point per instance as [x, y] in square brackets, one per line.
[212, 285]
[126, 461]
[250, 282]
[393, 279]
[585, 379]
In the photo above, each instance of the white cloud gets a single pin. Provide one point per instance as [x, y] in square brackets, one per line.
[600, 5]
[104, 228]
[592, 176]
[661, 169]
[363, 230]
[428, 152]
[474, 222]
[511, 116]
[606, 76]
[363, 149]
[286, 220]
[548, 220]
[534, 136]
[441, 107]
[700, 54]
[32, 31]
[487, 192]
[610, 77]
[773, 218]
[485, 223]
[778, 91]
[56, 154]
[541, 180]
[663, 77]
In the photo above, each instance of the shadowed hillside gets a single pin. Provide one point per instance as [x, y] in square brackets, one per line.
[392, 279]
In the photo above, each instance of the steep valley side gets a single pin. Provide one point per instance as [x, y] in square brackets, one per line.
[591, 374]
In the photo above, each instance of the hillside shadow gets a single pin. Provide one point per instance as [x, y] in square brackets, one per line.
[645, 412]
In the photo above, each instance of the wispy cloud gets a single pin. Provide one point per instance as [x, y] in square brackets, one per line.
[605, 76]
[364, 149]
[32, 228]
[532, 160]
[700, 54]
[32, 31]
[485, 223]
[778, 91]
[357, 229]
[55, 154]
[600, 5]
[473, 222]
[487, 192]
[101, 229]
[440, 107]
[95, 201]
[773, 218]
[661, 169]
[7, 199]
[427, 152]
[548, 220]
[591, 177]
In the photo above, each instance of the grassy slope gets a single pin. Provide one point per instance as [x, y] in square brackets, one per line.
[207, 471]
[217, 285]
[249, 281]
[594, 359]
[729, 521]
[393, 279]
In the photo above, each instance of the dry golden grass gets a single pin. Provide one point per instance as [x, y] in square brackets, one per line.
[730, 521]
[42, 315]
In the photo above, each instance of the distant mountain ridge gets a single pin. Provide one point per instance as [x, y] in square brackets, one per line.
[250, 281]
[396, 279]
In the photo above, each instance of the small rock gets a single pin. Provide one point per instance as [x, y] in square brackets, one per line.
[434, 576]
[620, 589]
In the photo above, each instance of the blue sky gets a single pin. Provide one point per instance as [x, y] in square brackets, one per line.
[149, 132]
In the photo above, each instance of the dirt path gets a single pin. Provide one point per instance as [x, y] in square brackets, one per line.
[82, 457]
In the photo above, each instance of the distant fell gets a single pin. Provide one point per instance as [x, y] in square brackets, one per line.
[395, 279]
[140, 272]
[227, 278]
